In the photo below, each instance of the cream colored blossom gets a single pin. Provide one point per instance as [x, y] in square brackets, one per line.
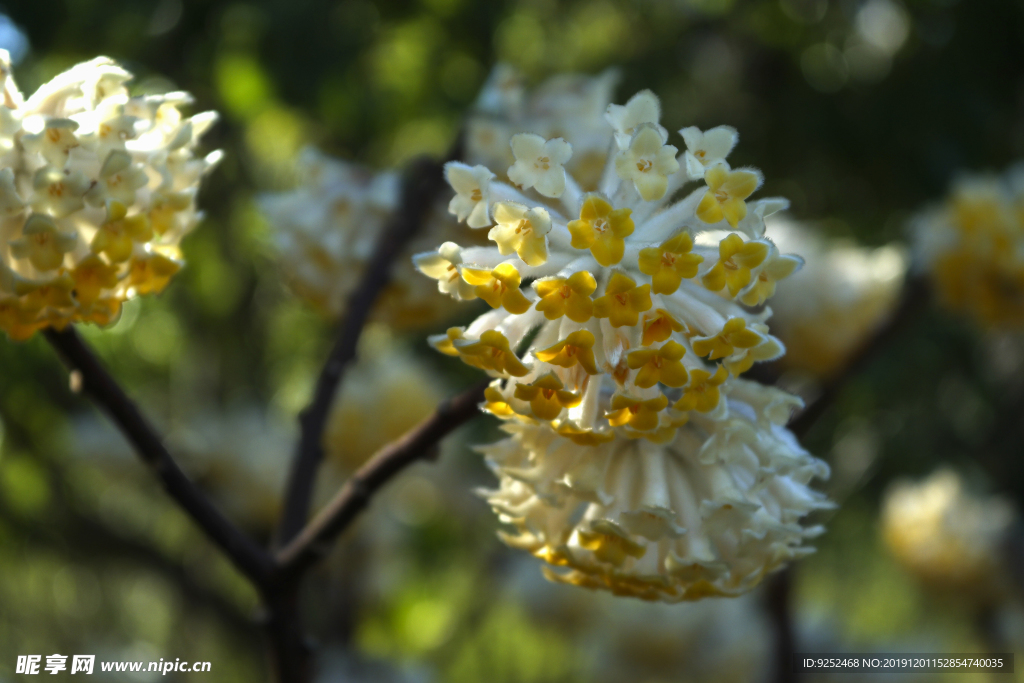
[947, 536]
[648, 163]
[539, 163]
[708, 148]
[972, 247]
[828, 308]
[643, 109]
[638, 461]
[327, 227]
[521, 230]
[471, 202]
[96, 191]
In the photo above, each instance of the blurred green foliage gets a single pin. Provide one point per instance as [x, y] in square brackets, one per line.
[857, 120]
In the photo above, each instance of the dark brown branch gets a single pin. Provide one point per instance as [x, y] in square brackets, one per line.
[423, 182]
[315, 540]
[913, 299]
[246, 555]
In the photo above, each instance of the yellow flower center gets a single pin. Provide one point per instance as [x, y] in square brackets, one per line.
[544, 163]
[524, 227]
[42, 238]
[53, 134]
[600, 224]
[57, 190]
[454, 272]
[644, 165]
[477, 195]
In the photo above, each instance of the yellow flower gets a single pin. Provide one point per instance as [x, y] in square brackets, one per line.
[736, 258]
[496, 404]
[521, 230]
[19, 322]
[659, 365]
[734, 335]
[499, 287]
[670, 263]
[150, 274]
[641, 415]
[648, 163]
[92, 275]
[491, 352]
[445, 343]
[659, 326]
[623, 301]
[42, 243]
[547, 396]
[117, 236]
[769, 349]
[567, 296]
[602, 229]
[778, 267]
[702, 394]
[726, 193]
[585, 437]
[55, 293]
[609, 543]
[578, 347]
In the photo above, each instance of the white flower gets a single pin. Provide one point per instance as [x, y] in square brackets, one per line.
[825, 311]
[704, 150]
[471, 199]
[539, 163]
[94, 201]
[648, 162]
[947, 536]
[326, 229]
[443, 266]
[642, 109]
[638, 460]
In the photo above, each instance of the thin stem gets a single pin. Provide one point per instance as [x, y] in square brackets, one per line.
[423, 183]
[315, 541]
[247, 556]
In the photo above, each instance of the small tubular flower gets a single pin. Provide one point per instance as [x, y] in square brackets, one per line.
[726, 193]
[671, 263]
[521, 230]
[702, 393]
[659, 365]
[83, 168]
[472, 193]
[623, 301]
[547, 396]
[736, 259]
[708, 148]
[567, 296]
[490, 352]
[601, 229]
[443, 266]
[499, 287]
[539, 163]
[774, 268]
[638, 461]
[734, 335]
[648, 162]
[575, 349]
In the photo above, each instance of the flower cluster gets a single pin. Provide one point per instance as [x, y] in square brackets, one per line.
[828, 308]
[947, 536]
[973, 248]
[638, 460]
[327, 228]
[97, 189]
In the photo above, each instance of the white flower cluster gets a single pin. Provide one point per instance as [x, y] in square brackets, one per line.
[638, 460]
[828, 308]
[97, 189]
[947, 536]
[327, 228]
[972, 247]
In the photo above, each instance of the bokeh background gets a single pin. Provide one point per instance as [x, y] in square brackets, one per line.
[859, 111]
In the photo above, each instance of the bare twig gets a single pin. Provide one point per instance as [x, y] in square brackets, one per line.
[423, 182]
[315, 540]
[915, 296]
[247, 556]
[778, 601]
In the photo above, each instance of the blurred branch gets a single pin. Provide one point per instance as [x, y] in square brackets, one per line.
[913, 299]
[249, 557]
[778, 600]
[315, 540]
[423, 182]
